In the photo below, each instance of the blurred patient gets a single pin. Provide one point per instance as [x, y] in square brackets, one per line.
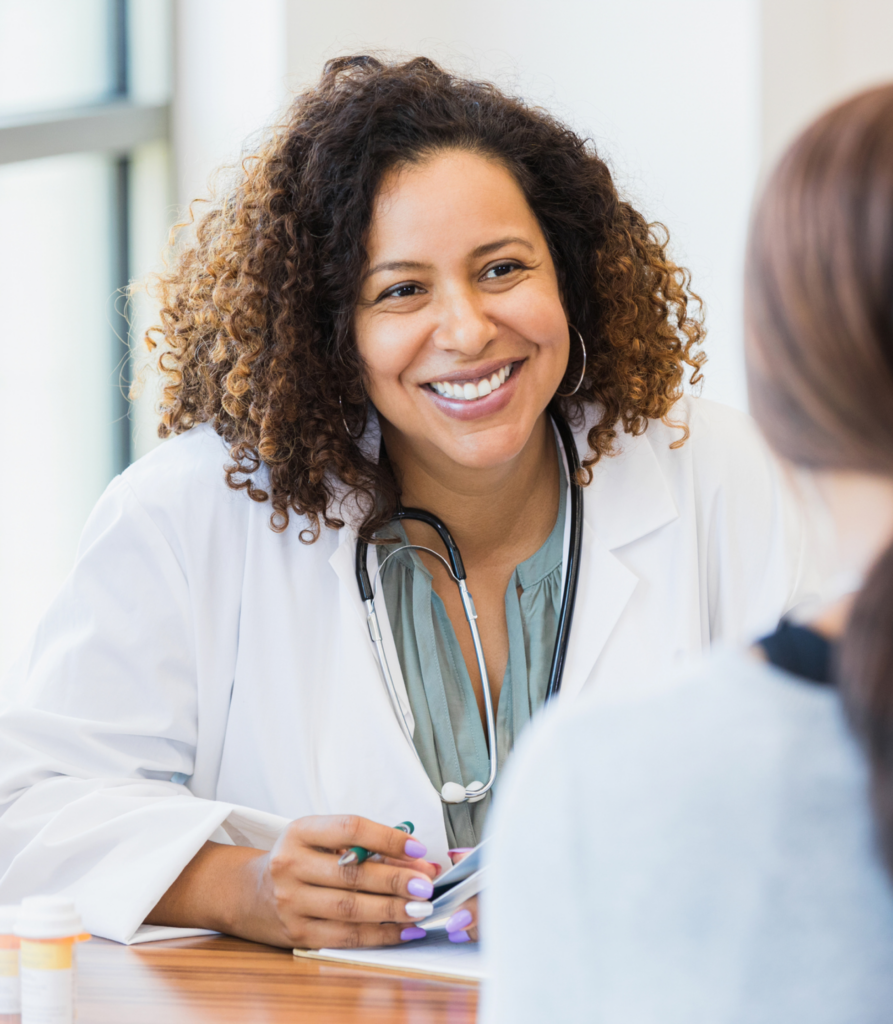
[719, 849]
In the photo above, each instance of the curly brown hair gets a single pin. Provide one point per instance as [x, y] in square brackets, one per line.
[257, 310]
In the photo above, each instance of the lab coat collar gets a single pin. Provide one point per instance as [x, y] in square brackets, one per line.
[629, 496]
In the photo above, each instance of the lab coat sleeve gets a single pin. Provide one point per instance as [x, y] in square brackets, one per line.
[98, 714]
[756, 554]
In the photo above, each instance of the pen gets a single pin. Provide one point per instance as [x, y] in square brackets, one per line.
[356, 854]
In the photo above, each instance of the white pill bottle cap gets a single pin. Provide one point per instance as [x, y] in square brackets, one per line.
[48, 917]
[8, 916]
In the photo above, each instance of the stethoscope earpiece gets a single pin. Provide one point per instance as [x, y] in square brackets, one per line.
[453, 793]
[456, 793]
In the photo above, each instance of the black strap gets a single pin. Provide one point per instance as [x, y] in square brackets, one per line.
[800, 651]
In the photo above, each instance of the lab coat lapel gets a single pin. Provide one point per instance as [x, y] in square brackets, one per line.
[627, 499]
[344, 564]
[396, 775]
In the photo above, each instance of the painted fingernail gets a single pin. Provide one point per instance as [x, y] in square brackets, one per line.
[419, 909]
[415, 849]
[460, 849]
[458, 936]
[421, 887]
[461, 919]
[408, 934]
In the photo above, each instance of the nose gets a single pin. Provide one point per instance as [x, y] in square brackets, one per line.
[463, 324]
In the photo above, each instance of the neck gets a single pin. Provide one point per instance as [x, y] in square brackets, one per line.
[488, 511]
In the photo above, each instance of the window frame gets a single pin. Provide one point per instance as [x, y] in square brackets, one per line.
[114, 126]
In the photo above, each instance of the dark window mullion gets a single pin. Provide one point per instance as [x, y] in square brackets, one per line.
[122, 440]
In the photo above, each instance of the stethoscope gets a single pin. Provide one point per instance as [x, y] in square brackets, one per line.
[455, 792]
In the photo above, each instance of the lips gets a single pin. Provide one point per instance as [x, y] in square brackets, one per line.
[475, 388]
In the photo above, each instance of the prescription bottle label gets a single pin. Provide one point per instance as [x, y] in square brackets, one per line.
[9, 979]
[47, 977]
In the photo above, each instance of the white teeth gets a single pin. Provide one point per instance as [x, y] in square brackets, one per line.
[468, 392]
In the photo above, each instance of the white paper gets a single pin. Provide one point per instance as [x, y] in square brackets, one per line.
[434, 955]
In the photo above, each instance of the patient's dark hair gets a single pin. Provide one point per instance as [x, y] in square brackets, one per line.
[820, 354]
[257, 311]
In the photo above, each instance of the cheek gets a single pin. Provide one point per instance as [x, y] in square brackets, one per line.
[541, 318]
[387, 352]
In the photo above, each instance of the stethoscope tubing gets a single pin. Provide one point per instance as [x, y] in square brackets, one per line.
[572, 569]
[477, 791]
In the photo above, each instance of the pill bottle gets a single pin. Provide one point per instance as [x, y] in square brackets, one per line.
[9, 963]
[48, 928]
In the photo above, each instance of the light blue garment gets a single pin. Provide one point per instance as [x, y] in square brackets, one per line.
[712, 860]
[449, 735]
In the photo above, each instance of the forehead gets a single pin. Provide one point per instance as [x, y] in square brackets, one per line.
[452, 198]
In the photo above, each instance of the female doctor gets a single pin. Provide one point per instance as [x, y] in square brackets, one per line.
[415, 286]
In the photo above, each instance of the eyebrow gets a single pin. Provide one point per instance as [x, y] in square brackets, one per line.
[485, 250]
[397, 265]
[481, 250]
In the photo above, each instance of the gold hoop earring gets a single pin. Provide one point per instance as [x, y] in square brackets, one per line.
[582, 372]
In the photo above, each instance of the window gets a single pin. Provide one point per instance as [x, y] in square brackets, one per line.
[84, 208]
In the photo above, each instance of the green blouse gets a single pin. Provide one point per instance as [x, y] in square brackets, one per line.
[449, 735]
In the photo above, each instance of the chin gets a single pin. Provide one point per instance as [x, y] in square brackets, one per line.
[488, 449]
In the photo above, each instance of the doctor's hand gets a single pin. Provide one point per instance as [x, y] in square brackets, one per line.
[297, 895]
[463, 925]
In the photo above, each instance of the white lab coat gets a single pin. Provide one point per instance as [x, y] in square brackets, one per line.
[191, 638]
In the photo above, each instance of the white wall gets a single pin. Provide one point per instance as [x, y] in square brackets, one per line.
[814, 53]
[229, 82]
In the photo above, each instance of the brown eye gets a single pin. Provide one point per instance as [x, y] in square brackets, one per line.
[501, 270]
[401, 291]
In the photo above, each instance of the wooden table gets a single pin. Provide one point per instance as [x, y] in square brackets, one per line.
[217, 979]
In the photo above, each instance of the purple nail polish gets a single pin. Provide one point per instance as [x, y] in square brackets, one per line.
[461, 919]
[415, 849]
[460, 849]
[421, 887]
[458, 936]
[408, 934]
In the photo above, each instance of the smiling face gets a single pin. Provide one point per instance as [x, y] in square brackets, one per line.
[460, 322]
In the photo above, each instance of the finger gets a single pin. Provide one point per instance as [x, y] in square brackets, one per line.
[460, 921]
[464, 920]
[429, 868]
[459, 853]
[323, 869]
[342, 935]
[338, 832]
[361, 907]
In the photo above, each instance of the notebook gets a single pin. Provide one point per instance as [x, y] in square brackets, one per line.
[435, 956]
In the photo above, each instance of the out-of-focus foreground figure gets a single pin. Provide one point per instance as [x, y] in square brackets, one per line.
[720, 849]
